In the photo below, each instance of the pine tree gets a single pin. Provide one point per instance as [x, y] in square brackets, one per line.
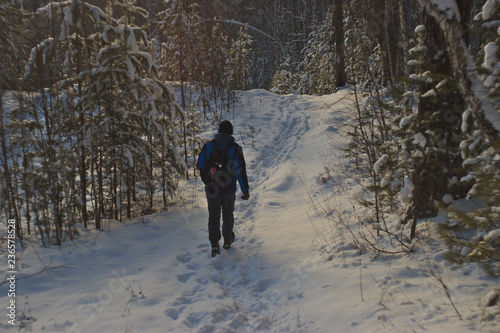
[61, 115]
[283, 80]
[211, 84]
[239, 62]
[109, 123]
[424, 161]
[475, 236]
[316, 73]
[337, 41]
[13, 47]
[136, 112]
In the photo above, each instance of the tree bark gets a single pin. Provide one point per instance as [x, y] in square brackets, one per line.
[390, 38]
[405, 40]
[338, 39]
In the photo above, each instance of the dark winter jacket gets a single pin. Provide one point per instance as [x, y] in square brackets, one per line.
[235, 157]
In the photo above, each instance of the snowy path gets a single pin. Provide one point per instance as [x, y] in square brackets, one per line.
[242, 278]
[156, 274]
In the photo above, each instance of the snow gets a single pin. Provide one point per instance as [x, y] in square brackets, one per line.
[99, 15]
[44, 47]
[430, 93]
[129, 157]
[405, 122]
[493, 235]
[155, 274]
[52, 7]
[131, 42]
[420, 29]
[416, 77]
[449, 7]
[130, 68]
[380, 163]
[488, 8]
[407, 190]
[441, 84]
[386, 181]
[465, 117]
[490, 55]
[417, 49]
[420, 139]
[447, 199]
[490, 112]
[68, 23]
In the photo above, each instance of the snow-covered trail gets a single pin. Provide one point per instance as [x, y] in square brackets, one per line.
[245, 277]
[156, 275]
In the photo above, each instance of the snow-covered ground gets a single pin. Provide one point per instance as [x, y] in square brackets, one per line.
[155, 274]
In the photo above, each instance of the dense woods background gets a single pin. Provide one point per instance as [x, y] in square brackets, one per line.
[90, 129]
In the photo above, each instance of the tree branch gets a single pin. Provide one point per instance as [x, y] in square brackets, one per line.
[469, 82]
[250, 27]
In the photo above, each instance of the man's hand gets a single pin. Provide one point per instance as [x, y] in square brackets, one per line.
[245, 196]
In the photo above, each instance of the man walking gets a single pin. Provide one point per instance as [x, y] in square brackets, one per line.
[221, 164]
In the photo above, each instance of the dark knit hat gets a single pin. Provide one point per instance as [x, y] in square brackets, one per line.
[226, 127]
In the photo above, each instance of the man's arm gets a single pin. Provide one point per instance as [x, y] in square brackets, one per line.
[242, 174]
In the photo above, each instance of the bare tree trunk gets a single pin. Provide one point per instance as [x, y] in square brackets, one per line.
[100, 208]
[129, 194]
[24, 181]
[81, 139]
[151, 174]
[390, 38]
[114, 191]
[7, 174]
[405, 39]
[338, 39]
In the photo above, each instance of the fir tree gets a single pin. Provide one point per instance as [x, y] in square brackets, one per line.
[423, 159]
[136, 111]
[107, 120]
[59, 111]
[283, 80]
[14, 37]
[316, 73]
[475, 236]
[239, 62]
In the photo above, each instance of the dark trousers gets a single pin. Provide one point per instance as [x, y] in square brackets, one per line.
[216, 204]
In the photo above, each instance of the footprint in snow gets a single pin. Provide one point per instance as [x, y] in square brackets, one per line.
[172, 314]
[185, 258]
[193, 266]
[184, 277]
[203, 280]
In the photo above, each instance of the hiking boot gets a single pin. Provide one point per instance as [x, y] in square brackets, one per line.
[227, 244]
[215, 249]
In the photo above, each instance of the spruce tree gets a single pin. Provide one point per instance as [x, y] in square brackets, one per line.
[108, 120]
[423, 159]
[14, 37]
[283, 80]
[316, 73]
[60, 148]
[137, 112]
[239, 63]
[475, 236]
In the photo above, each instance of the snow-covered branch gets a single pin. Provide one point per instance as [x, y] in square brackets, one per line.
[252, 28]
[469, 81]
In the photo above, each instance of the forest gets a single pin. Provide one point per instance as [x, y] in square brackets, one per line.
[91, 128]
